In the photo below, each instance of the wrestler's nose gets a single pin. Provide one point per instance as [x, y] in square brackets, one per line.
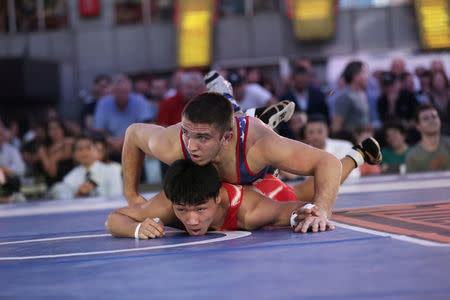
[191, 145]
[192, 219]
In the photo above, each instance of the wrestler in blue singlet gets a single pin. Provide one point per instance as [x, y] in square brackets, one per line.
[245, 176]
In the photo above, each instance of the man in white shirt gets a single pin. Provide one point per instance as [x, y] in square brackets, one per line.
[12, 167]
[249, 95]
[316, 135]
[92, 177]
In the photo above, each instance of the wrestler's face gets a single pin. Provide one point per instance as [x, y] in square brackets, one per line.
[203, 141]
[197, 218]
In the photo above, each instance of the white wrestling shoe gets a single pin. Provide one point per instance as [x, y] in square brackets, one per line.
[276, 113]
[216, 83]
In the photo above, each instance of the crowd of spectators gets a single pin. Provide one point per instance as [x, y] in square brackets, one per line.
[82, 159]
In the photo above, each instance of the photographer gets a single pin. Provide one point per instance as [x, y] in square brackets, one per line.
[91, 178]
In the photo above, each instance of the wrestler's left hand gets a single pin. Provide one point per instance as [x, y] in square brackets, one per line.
[151, 229]
[314, 223]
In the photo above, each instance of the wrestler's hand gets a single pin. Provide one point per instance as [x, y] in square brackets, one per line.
[151, 229]
[306, 211]
[314, 223]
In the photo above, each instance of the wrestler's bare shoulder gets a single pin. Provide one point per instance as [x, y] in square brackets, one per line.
[165, 143]
[258, 131]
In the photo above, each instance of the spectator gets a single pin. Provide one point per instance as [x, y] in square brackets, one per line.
[254, 75]
[335, 92]
[12, 134]
[440, 98]
[142, 86]
[100, 89]
[116, 112]
[317, 135]
[158, 90]
[12, 168]
[394, 153]
[373, 94]
[437, 65]
[424, 94]
[395, 103]
[306, 98]
[351, 108]
[407, 82]
[295, 126]
[249, 95]
[103, 153]
[398, 66]
[170, 109]
[175, 83]
[56, 155]
[91, 177]
[35, 139]
[432, 153]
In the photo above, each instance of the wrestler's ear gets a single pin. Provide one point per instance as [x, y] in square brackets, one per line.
[227, 136]
[218, 199]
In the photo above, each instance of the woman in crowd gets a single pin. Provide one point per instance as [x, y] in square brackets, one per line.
[440, 98]
[56, 155]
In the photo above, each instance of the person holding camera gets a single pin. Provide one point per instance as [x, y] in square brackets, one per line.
[91, 178]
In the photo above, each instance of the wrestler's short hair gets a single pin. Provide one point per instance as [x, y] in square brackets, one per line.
[210, 108]
[187, 183]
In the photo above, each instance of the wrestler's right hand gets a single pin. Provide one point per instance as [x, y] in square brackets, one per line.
[150, 229]
[307, 211]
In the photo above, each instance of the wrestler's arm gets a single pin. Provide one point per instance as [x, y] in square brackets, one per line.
[140, 140]
[299, 158]
[122, 222]
[257, 210]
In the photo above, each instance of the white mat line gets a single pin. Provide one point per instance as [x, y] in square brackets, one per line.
[394, 186]
[392, 235]
[229, 235]
[55, 239]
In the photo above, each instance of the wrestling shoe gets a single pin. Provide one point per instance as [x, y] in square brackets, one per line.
[216, 83]
[276, 113]
[369, 151]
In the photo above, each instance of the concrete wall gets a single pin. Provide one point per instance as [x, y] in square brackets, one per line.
[95, 46]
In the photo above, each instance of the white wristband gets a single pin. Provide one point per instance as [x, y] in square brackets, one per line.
[357, 157]
[136, 231]
[294, 223]
[309, 206]
[294, 214]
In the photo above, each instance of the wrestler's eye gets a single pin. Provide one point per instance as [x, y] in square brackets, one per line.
[180, 210]
[203, 138]
[201, 209]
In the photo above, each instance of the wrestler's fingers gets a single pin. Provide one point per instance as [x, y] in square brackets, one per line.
[330, 225]
[315, 225]
[159, 226]
[306, 225]
[148, 233]
[153, 229]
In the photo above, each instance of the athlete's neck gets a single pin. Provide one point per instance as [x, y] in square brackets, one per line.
[222, 210]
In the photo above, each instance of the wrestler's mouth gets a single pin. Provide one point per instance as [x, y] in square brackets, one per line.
[195, 231]
[195, 157]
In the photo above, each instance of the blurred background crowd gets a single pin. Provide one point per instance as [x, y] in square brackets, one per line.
[71, 147]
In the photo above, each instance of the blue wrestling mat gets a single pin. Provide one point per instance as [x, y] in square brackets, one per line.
[60, 250]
